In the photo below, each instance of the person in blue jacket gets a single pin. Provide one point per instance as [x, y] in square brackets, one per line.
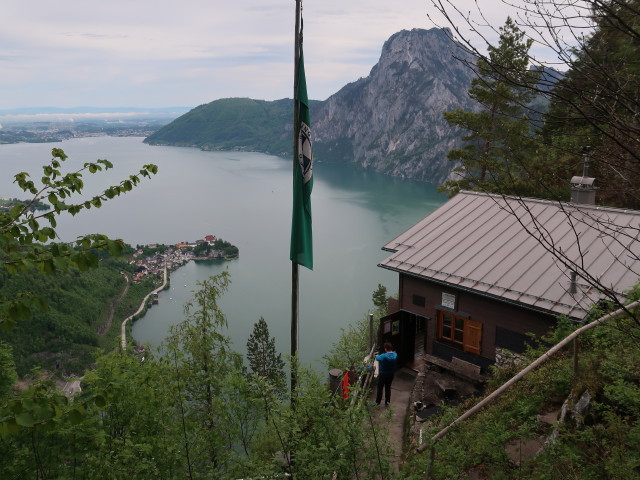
[386, 370]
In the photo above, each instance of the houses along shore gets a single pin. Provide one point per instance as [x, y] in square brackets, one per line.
[151, 260]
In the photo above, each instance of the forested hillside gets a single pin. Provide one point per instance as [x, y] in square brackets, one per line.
[67, 335]
[232, 124]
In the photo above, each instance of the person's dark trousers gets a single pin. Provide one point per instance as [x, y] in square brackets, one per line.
[384, 381]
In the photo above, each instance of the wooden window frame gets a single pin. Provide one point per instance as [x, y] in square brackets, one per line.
[460, 331]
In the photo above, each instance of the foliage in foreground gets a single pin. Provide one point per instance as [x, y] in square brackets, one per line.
[194, 412]
[353, 345]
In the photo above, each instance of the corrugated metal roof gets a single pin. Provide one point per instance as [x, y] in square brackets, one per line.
[500, 246]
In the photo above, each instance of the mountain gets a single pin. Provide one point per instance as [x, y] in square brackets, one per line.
[390, 122]
[232, 124]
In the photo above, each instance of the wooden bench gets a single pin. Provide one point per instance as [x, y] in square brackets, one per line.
[467, 367]
[457, 367]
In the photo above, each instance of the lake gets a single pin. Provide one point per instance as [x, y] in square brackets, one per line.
[244, 198]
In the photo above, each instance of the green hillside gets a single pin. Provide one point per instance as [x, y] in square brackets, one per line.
[232, 124]
[68, 334]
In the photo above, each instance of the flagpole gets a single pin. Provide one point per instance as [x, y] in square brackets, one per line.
[294, 265]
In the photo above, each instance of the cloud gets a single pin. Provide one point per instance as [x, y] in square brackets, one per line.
[159, 53]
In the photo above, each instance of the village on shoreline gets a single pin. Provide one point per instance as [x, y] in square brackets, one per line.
[154, 261]
[151, 260]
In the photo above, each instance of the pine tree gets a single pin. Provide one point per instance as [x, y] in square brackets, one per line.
[499, 134]
[379, 298]
[263, 358]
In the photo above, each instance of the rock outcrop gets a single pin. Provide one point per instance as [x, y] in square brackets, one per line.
[392, 121]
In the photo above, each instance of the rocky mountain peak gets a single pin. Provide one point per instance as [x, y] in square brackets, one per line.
[392, 121]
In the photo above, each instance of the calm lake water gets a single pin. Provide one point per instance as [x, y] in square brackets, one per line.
[244, 198]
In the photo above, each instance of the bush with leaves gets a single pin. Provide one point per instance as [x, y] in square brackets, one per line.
[28, 238]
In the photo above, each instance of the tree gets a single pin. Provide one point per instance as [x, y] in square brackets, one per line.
[26, 245]
[379, 298]
[595, 104]
[136, 428]
[500, 131]
[264, 360]
[202, 364]
[8, 376]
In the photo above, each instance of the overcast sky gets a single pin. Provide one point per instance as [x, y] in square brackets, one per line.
[142, 53]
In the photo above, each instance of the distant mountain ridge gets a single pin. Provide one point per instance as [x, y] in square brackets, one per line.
[390, 122]
[231, 124]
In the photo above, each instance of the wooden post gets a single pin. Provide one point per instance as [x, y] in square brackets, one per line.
[371, 340]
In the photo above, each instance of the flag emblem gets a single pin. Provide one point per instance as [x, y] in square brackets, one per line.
[304, 152]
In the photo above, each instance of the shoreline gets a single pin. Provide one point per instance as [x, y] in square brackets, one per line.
[163, 259]
[123, 326]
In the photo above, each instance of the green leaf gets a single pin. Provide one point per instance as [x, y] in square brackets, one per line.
[58, 153]
[9, 427]
[115, 248]
[27, 264]
[80, 261]
[24, 419]
[75, 417]
[48, 267]
[44, 412]
[60, 263]
[92, 260]
[15, 210]
[19, 310]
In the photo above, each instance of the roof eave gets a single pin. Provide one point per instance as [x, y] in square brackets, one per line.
[482, 294]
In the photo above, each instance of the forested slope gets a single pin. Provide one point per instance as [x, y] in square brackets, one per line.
[65, 336]
[232, 124]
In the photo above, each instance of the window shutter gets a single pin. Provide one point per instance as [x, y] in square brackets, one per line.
[472, 336]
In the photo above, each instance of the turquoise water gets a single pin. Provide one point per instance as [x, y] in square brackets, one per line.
[244, 198]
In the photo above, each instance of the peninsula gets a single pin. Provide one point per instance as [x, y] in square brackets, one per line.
[151, 260]
[156, 260]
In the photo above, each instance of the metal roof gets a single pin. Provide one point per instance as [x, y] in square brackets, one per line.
[500, 246]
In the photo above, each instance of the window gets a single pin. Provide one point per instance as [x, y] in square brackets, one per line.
[418, 300]
[460, 331]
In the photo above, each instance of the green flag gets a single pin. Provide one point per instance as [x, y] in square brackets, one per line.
[301, 237]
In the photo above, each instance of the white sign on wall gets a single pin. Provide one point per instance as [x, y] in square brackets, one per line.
[449, 301]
